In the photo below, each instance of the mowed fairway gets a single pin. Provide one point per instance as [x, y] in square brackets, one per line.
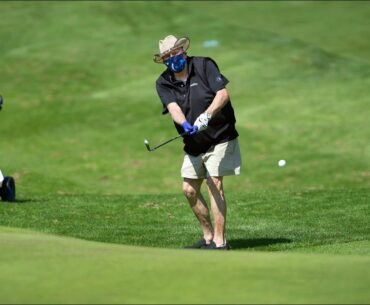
[100, 220]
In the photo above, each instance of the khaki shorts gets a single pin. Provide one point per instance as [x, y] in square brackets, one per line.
[223, 160]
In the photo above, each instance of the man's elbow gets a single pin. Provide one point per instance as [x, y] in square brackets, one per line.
[223, 94]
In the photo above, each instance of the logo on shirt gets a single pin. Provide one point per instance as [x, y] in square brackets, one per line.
[218, 79]
[193, 84]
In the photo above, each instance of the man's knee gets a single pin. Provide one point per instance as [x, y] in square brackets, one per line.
[190, 190]
[215, 183]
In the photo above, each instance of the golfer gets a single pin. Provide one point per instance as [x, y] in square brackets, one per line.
[193, 91]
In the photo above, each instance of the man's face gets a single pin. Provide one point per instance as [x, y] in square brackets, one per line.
[173, 53]
[175, 60]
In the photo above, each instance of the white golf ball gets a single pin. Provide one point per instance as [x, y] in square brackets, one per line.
[146, 141]
[282, 163]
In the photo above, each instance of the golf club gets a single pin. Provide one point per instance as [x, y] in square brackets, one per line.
[146, 142]
[1, 101]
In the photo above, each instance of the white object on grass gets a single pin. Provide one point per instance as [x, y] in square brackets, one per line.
[210, 44]
[282, 163]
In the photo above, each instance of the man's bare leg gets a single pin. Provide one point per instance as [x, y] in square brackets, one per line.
[191, 189]
[218, 206]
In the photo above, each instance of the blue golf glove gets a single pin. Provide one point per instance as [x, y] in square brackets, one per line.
[189, 129]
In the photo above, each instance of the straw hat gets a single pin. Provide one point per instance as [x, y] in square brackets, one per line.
[169, 44]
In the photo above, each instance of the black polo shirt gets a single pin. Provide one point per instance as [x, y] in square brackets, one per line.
[194, 97]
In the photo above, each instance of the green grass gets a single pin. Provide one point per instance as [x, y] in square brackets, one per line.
[80, 96]
[79, 99]
[272, 221]
[90, 272]
[316, 250]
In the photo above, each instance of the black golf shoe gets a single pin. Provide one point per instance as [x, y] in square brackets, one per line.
[212, 246]
[201, 244]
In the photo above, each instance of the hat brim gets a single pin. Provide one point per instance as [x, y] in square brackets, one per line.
[180, 43]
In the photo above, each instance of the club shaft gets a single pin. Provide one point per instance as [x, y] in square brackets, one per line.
[168, 141]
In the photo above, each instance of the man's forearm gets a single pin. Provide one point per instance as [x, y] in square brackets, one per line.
[219, 101]
[176, 113]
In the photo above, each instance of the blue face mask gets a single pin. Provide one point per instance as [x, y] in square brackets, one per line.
[176, 63]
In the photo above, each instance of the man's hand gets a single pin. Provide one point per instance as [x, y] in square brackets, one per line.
[202, 121]
[188, 128]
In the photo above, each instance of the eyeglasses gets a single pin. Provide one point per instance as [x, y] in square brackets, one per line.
[172, 53]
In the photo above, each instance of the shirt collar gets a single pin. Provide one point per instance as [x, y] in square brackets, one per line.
[169, 76]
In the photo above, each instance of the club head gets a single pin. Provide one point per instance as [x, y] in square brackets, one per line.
[146, 142]
[1, 101]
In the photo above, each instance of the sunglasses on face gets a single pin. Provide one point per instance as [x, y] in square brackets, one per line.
[172, 53]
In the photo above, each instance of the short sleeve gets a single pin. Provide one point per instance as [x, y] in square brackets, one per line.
[215, 79]
[166, 96]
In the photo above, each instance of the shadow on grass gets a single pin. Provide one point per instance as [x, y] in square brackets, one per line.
[257, 242]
